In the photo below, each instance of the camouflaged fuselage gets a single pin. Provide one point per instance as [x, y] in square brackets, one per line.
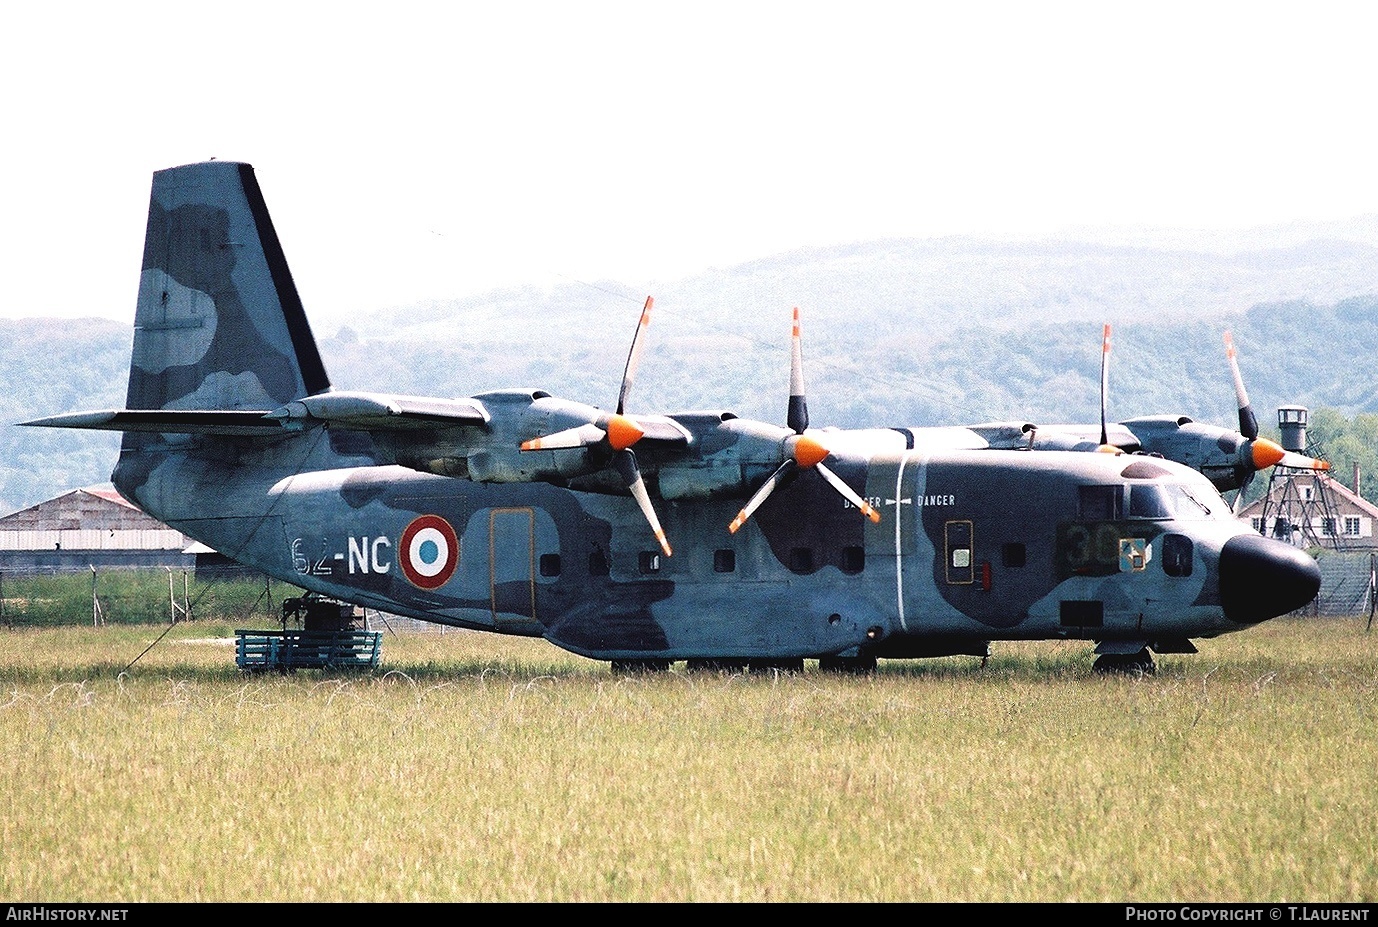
[972, 546]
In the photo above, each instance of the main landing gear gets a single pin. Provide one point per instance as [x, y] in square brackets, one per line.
[1126, 664]
[855, 665]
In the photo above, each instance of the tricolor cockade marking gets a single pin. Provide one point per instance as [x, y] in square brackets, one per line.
[429, 552]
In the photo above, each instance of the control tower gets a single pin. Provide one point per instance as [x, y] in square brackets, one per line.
[1299, 507]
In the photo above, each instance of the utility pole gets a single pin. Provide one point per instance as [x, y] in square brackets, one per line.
[97, 615]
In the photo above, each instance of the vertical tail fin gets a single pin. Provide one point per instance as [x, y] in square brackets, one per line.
[219, 324]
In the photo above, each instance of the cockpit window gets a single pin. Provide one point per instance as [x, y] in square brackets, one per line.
[1160, 500]
[1100, 503]
[1149, 501]
[1200, 499]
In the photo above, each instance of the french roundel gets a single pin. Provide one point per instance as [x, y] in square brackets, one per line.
[429, 552]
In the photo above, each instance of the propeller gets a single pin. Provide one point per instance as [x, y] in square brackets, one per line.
[1105, 446]
[1104, 381]
[1263, 452]
[802, 451]
[615, 434]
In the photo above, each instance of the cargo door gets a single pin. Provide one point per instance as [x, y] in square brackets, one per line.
[512, 564]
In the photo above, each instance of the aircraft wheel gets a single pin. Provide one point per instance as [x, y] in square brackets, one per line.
[637, 667]
[1135, 664]
[855, 665]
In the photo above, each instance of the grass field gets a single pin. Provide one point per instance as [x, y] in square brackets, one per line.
[475, 767]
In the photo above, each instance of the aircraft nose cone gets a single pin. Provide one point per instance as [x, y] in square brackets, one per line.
[1261, 579]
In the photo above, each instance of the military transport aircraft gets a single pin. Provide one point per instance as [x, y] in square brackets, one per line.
[639, 539]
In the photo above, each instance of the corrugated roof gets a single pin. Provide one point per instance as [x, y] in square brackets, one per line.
[95, 507]
[108, 493]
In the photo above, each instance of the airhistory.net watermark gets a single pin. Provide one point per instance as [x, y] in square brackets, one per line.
[52, 912]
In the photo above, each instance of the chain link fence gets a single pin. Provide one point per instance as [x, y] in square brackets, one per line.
[134, 595]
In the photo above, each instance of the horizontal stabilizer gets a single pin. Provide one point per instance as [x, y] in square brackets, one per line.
[168, 421]
[362, 411]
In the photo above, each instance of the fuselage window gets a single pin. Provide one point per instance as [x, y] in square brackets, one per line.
[853, 559]
[724, 560]
[1177, 553]
[801, 559]
[648, 561]
[1013, 555]
[1100, 503]
[550, 564]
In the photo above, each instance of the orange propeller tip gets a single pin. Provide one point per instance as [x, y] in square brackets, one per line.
[533, 445]
[737, 523]
[873, 515]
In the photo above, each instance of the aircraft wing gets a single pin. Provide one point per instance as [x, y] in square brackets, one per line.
[1081, 437]
[379, 411]
[1027, 435]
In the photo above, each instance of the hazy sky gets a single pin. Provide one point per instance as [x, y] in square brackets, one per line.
[415, 150]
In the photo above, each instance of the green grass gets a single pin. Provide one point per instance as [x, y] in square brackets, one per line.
[476, 767]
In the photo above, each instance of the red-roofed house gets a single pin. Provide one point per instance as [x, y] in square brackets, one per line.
[1313, 510]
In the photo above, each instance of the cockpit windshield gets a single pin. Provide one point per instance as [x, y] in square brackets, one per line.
[1166, 500]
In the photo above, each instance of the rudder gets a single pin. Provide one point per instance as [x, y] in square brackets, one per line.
[219, 324]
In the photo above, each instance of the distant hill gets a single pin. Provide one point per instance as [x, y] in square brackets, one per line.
[895, 332]
[49, 366]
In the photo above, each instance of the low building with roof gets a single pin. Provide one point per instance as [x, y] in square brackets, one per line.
[1312, 509]
[86, 528]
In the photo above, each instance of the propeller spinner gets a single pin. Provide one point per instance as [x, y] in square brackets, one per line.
[801, 451]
